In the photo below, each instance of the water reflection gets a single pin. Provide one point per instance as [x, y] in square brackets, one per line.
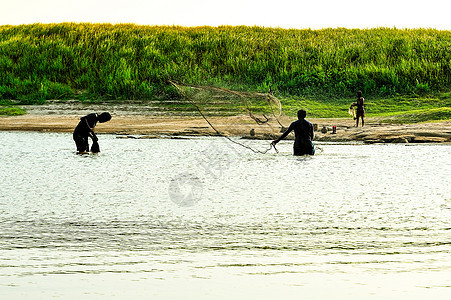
[351, 210]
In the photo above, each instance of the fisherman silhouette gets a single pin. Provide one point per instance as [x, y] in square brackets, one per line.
[303, 132]
[360, 103]
[85, 129]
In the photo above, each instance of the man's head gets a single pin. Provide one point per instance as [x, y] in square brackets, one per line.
[302, 114]
[104, 117]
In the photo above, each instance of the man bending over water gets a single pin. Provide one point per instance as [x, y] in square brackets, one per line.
[85, 129]
[303, 132]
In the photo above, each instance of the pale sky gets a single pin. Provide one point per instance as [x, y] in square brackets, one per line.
[299, 14]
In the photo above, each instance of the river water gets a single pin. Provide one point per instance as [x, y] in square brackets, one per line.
[203, 218]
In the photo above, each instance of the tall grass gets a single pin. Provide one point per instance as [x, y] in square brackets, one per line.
[104, 61]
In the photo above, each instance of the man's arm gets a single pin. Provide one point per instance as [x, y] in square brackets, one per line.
[284, 134]
[87, 124]
[91, 133]
[93, 136]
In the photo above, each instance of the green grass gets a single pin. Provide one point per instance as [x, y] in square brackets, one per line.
[374, 107]
[11, 111]
[398, 70]
[418, 116]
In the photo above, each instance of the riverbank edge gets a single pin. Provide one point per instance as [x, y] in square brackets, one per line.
[130, 122]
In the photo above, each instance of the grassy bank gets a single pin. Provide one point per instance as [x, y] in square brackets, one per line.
[386, 109]
[320, 69]
[11, 111]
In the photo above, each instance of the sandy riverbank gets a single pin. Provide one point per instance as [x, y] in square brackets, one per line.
[140, 122]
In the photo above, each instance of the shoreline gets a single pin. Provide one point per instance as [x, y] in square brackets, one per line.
[139, 121]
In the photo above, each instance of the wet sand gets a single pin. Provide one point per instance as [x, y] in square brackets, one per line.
[141, 122]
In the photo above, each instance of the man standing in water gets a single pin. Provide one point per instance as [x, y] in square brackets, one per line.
[85, 129]
[303, 132]
[360, 103]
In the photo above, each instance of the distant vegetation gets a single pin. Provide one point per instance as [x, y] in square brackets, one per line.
[11, 110]
[323, 68]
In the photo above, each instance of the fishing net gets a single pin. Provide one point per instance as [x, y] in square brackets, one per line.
[229, 112]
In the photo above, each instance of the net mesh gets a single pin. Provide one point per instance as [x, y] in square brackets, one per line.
[258, 114]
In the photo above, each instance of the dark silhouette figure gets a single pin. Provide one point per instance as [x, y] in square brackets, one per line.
[85, 129]
[303, 131]
[360, 103]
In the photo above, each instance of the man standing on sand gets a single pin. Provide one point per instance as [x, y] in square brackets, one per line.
[85, 129]
[360, 103]
[303, 132]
